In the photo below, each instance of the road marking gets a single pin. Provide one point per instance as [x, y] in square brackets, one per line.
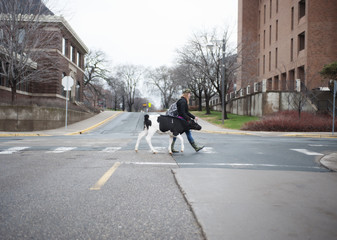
[151, 163]
[238, 165]
[208, 150]
[111, 149]
[62, 149]
[307, 152]
[105, 177]
[13, 150]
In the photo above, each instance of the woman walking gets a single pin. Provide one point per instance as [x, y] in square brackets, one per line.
[183, 113]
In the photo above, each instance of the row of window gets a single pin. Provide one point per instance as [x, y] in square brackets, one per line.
[301, 11]
[301, 14]
[270, 10]
[301, 46]
[270, 35]
[285, 83]
[21, 33]
[74, 55]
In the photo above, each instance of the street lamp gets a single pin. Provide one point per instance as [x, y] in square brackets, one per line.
[210, 45]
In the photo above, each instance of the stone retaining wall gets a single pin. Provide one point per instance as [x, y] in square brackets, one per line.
[35, 118]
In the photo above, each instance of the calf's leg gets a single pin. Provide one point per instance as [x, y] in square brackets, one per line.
[148, 138]
[181, 142]
[140, 136]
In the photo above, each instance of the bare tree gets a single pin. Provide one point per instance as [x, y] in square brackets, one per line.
[96, 72]
[131, 76]
[118, 93]
[201, 88]
[207, 61]
[164, 80]
[24, 35]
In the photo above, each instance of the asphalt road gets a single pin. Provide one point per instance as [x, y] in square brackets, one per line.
[94, 186]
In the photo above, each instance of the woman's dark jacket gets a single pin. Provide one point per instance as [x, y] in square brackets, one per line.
[182, 107]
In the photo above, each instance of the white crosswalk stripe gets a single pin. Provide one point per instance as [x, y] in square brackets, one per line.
[307, 152]
[207, 150]
[13, 150]
[62, 149]
[111, 149]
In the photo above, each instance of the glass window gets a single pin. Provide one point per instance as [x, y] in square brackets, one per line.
[301, 9]
[301, 41]
[21, 36]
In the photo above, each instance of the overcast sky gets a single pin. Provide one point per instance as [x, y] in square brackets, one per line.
[144, 32]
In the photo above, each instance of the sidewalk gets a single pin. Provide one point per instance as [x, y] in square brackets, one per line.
[262, 205]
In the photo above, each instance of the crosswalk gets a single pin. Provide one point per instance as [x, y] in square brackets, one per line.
[13, 150]
[57, 150]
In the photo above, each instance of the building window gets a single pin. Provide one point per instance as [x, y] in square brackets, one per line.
[291, 80]
[271, 7]
[269, 35]
[283, 81]
[21, 37]
[270, 84]
[276, 56]
[301, 9]
[301, 73]
[64, 47]
[71, 52]
[269, 61]
[276, 83]
[264, 39]
[264, 14]
[276, 31]
[291, 49]
[292, 18]
[276, 6]
[301, 41]
[264, 64]
[259, 20]
[258, 66]
[78, 59]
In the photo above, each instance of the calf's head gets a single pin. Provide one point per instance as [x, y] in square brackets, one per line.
[194, 125]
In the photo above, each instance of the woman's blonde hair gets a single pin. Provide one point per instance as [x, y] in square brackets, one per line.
[185, 95]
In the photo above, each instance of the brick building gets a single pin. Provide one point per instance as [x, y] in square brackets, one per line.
[285, 43]
[65, 57]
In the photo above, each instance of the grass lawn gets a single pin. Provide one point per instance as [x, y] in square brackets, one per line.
[234, 121]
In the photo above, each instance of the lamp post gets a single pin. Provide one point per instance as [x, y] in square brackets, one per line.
[223, 72]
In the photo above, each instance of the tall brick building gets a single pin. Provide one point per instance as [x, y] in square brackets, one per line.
[285, 43]
[65, 57]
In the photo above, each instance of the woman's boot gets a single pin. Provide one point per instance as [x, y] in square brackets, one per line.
[196, 148]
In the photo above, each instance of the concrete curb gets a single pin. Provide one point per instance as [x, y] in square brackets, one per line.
[330, 161]
[310, 135]
[226, 132]
[24, 135]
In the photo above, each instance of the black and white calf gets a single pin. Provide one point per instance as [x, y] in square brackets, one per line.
[151, 126]
[162, 124]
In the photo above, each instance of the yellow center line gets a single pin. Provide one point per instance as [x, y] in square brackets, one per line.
[105, 177]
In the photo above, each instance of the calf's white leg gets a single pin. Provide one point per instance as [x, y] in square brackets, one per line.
[170, 144]
[148, 138]
[181, 142]
[140, 136]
